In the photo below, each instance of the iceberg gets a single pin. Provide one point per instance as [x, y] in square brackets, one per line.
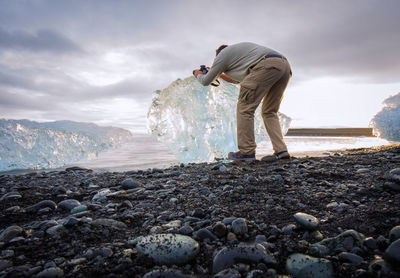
[198, 123]
[386, 123]
[27, 144]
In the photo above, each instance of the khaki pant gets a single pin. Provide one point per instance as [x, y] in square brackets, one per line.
[266, 81]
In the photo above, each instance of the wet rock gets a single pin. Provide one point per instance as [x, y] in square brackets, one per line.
[363, 171]
[273, 230]
[394, 175]
[130, 184]
[173, 224]
[219, 229]
[169, 273]
[10, 233]
[168, 248]
[394, 233]
[14, 209]
[33, 270]
[59, 190]
[319, 250]
[260, 239]
[228, 220]
[229, 256]
[392, 186]
[78, 209]
[103, 252]
[370, 243]
[10, 196]
[339, 241]
[332, 205]
[52, 272]
[228, 273]
[185, 230]
[288, 228]
[71, 221]
[382, 242]
[379, 268]
[57, 231]
[348, 243]
[392, 253]
[44, 225]
[222, 168]
[350, 258]
[68, 204]
[317, 235]
[16, 240]
[239, 226]
[77, 169]
[306, 221]
[7, 253]
[198, 212]
[110, 223]
[203, 234]
[5, 264]
[156, 230]
[42, 204]
[76, 261]
[231, 237]
[259, 273]
[101, 195]
[304, 266]
[127, 204]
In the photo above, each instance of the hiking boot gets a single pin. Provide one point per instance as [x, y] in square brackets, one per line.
[275, 157]
[237, 156]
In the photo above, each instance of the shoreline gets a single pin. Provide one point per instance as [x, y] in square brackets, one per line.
[350, 195]
[332, 132]
[124, 161]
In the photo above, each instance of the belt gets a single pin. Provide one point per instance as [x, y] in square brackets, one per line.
[274, 55]
[270, 55]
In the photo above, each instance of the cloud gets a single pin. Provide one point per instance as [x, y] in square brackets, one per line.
[44, 40]
[8, 79]
[59, 87]
[24, 101]
[58, 57]
[348, 40]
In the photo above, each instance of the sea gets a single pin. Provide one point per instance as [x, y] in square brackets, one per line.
[144, 151]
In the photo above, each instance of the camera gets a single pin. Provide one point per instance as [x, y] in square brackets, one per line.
[203, 69]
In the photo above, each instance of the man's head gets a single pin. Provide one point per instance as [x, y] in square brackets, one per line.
[219, 49]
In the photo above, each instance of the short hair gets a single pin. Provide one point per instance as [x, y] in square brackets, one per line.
[219, 49]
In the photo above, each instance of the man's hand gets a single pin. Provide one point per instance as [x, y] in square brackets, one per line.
[226, 77]
[197, 72]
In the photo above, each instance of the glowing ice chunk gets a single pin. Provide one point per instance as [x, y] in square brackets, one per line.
[386, 123]
[26, 144]
[198, 123]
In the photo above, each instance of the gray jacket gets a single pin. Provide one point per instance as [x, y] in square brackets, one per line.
[235, 61]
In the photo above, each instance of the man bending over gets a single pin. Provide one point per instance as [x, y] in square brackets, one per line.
[263, 75]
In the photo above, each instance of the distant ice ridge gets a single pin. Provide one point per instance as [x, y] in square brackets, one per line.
[386, 123]
[198, 123]
[26, 144]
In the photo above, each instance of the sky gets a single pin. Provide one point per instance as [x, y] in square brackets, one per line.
[101, 61]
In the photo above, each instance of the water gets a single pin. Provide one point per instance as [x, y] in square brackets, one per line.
[145, 152]
[141, 152]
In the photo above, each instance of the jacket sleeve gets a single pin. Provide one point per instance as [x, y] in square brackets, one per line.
[216, 69]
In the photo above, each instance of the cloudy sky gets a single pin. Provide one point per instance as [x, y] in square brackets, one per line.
[100, 61]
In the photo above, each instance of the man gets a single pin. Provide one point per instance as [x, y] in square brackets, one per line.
[263, 75]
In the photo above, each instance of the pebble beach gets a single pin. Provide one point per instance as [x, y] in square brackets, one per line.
[329, 216]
